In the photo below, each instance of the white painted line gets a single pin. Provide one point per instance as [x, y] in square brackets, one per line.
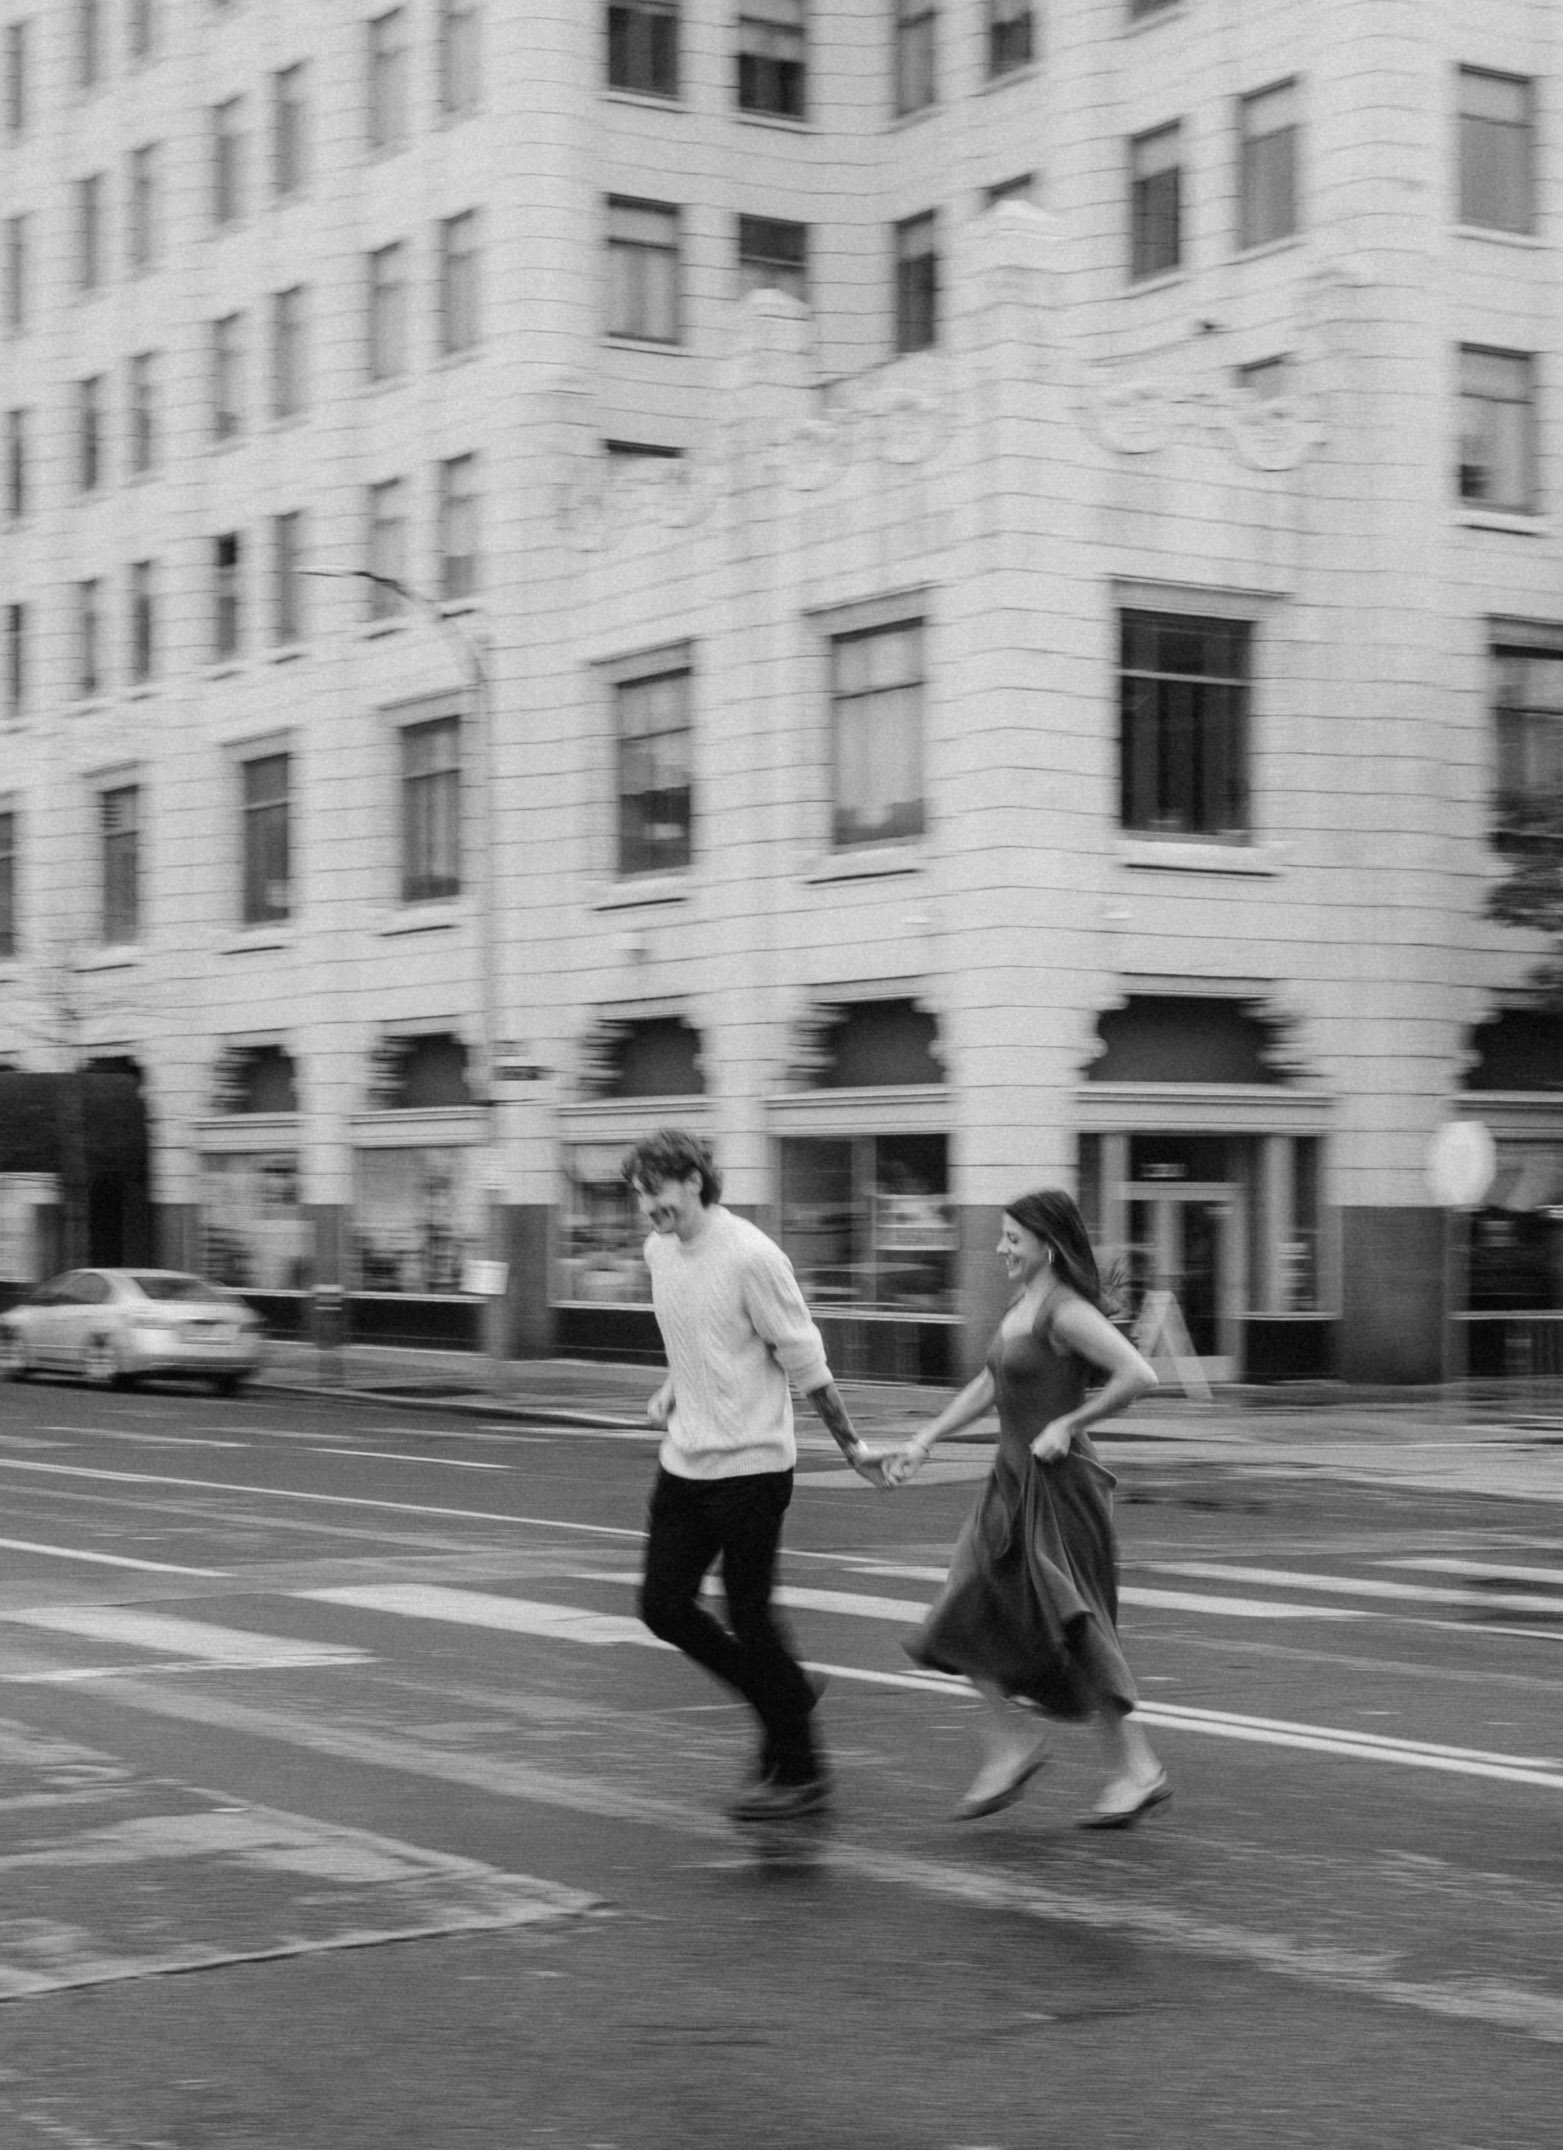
[197, 1639]
[102, 1560]
[1348, 1585]
[1389, 1741]
[149, 1440]
[321, 1500]
[1233, 1608]
[479, 1608]
[384, 1455]
[1495, 1566]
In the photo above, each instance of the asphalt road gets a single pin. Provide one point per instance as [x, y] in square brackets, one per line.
[348, 1805]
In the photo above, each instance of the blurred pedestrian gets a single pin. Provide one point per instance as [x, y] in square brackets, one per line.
[735, 1329]
[1029, 1610]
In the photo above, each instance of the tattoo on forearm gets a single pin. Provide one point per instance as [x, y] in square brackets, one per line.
[833, 1413]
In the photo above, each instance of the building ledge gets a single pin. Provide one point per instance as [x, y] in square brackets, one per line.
[872, 862]
[1512, 523]
[1176, 854]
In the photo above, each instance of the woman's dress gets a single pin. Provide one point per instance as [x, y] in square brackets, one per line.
[1030, 1604]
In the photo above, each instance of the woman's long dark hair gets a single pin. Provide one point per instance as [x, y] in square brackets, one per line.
[1056, 1220]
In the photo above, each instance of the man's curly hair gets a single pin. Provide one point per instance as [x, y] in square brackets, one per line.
[672, 1154]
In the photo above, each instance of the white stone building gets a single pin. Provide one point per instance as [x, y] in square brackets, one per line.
[985, 565]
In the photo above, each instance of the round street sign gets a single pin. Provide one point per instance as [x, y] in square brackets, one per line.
[1462, 1159]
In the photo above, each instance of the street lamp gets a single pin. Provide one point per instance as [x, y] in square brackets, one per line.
[475, 664]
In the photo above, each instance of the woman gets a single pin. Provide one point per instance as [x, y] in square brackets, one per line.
[1029, 1609]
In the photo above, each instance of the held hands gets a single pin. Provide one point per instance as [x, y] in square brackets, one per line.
[870, 1463]
[904, 1463]
[1052, 1443]
[659, 1408]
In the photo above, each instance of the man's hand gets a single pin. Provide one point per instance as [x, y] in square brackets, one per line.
[870, 1463]
[659, 1408]
[902, 1464]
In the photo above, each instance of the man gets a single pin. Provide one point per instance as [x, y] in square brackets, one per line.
[736, 1330]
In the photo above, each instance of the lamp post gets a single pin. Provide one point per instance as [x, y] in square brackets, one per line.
[479, 690]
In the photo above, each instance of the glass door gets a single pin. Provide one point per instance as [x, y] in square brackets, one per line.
[1183, 1274]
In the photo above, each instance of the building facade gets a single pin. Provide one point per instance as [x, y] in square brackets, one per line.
[956, 595]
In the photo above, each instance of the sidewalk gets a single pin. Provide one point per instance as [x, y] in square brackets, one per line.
[1416, 1438]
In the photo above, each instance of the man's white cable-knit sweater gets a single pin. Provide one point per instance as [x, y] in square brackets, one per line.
[736, 1329]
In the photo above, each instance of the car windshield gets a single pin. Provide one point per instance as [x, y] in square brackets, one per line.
[166, 1287]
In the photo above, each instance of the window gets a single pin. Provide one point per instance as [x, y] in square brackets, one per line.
[1498, 429]
[91, 193]
[1155, 202]
[142, 233]
[917, 283]
[289, 131]
[1267, 379]
[458, 528]
[1011, 36]
[255, 1232]
[1497, 151]
[915, 78]
[387, 85]
[459, 283]
[773, 256]
[1183, 746]
[18, 76]
[867, 1220]
[388, 311]
[18, 472]
[89, 44]
[1140, 10]
[431, 810]
[227, 595]
[643, 271]
[143, 621]
[387, 545]
[228, 161]
[264, 812]
[1527, 691]
[142, 29]
[418, 1214]
[17, 652]
[18, 294]
[772, 62]
[643, 47]
[1267, 171]
[287, 582]
[119, 836]
[289, 352]
[144, 442]
[89, 636]
[652, 727]
[8, 820]
[459, 57]
[876, 700]
[90, 433]
[227, 361]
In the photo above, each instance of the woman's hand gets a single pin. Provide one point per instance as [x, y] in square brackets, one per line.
[870, 1463]
[903, 1464]
[1053, 1442]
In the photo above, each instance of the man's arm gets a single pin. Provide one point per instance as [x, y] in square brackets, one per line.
[837, 1421]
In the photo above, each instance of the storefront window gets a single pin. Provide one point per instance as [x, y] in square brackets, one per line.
[1299, 1263]
[415, 1220]
[254, 1235]
[601, 1231]
[866, 1220]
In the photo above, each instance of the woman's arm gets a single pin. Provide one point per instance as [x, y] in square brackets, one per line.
[974, 1401]
[1090, 1335]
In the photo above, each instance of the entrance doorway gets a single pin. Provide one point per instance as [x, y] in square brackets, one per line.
[1185, 1240]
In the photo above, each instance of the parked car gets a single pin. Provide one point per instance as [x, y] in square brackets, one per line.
[113, 1326]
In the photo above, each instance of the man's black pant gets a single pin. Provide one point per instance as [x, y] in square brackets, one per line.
[693, 1522]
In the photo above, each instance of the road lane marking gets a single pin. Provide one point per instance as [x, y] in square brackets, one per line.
[148, 1440]
[1496, 1566]
[479, 1608]
[197, 1639]
[384, 1455]
[1348, 1585]
[103, 1560]
[326, 1500]
[1531, 2011]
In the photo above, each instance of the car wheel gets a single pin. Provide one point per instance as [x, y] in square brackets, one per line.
[14, 1364]
[100, 1364]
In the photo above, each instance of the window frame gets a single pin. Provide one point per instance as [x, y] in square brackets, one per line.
[143, 640]
[121, 891]
[635, 282]
[771, 78]
[91, 680]
[1269, 164]
[225, 383]
[460, 327]
[289, 131]
[1525, 174]
[92, 433]
[431, 802]
[628, 31]
[141, 209]
[459, 58]
[10, 878]
[289, 532]
[1211, 775]
[388, 309]
[459, 573]
[1002, 19]
[1527, 441]
[228, 174]
[289, 367]
[265, 836]
[18, 653]
[914, 72]
[228, 608]
[750, 257]
[387, 82]
[917, 283]
[142, 410]
[640, 848]
[1527, 735]
[387, 539]
[1148, 216]
[91, 232]
[851, 831]
[18, 462]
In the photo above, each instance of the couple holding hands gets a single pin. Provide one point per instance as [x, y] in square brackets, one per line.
[1028, 1612]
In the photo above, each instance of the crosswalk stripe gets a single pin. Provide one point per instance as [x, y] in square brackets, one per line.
[102, 1560]
[480, 1608]
[1497, 1568]
[162, 1632]
[1349, 1585]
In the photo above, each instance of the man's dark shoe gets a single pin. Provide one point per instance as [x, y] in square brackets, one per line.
[775, 1799]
